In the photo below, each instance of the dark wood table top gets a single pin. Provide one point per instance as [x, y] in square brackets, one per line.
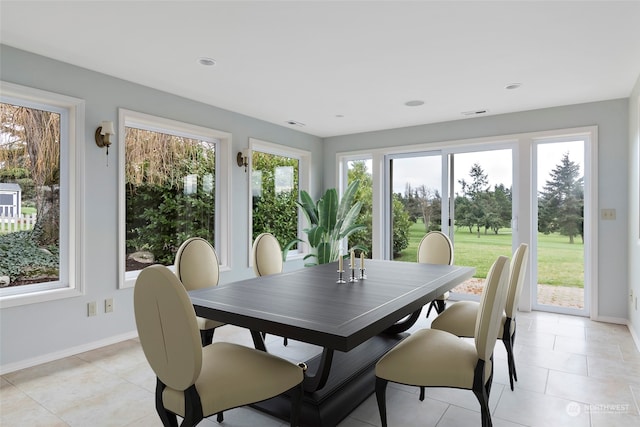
[308, 305]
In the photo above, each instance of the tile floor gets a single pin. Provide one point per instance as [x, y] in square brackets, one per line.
[572, 372]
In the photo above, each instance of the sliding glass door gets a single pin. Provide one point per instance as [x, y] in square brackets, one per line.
[560, 244]
[482, 194]
[475, 213]
[488, 197]
[414, 202]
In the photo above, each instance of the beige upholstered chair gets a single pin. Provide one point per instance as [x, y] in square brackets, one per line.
[194, 382]
[459, 318]
[197, 267]
[434, 358]
[436, 248]
[266, 256]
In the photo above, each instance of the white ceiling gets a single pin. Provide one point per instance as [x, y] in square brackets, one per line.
[344, 67]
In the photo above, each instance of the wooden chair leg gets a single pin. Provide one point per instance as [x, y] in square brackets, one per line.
[192, 407]
[381, 393]
[220, 417]
[439, 305]
[482, 391]
[513, 360]
[168, 419]
[431, 305]
[286, 341]
[507, 340]
[421, 394]
[206, 336]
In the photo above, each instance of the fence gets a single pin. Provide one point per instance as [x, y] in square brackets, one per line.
[9, 224]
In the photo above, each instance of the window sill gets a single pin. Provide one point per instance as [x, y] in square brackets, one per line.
[38, 297]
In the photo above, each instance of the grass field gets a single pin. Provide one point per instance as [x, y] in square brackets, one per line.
[559, 262]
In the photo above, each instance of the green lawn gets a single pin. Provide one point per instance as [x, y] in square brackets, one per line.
[559, 262]
[26, 210]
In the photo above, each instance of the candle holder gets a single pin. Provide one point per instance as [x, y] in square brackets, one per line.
[363, 274]
[340, 279]
[353, 277]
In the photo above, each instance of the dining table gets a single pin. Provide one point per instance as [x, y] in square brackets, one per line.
[354, 321]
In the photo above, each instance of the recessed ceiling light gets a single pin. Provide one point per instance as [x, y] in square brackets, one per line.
[339, 116]
[207, 62]
[294, 123]
[512, 86]
[414, 103]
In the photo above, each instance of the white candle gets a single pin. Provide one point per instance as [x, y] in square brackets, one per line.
[353, 259]
[340, 265]
[361, 260]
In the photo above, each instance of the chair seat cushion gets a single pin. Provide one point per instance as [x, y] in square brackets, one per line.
[431, 358]
[233, 375]
[459, 319]
[206, 324]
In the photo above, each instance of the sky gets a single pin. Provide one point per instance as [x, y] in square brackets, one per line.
[496, 165]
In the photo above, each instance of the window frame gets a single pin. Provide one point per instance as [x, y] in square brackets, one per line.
[304, 180]
[222, 244]
[72, 117]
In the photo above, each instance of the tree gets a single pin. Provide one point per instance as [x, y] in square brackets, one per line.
[401, 226]
[31, 143]
[561, 202]
[364, 195]
[427, 198]
[475, 212]
[500, 213]
[480, 207]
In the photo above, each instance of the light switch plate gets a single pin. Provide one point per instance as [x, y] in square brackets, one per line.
[92, 309]
[608, 214]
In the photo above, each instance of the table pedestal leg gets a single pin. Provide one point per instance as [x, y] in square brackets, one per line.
[351, 380]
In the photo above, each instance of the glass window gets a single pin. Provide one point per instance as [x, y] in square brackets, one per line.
[361, 170]
[276, 173]
[37, 167]
[170, 190]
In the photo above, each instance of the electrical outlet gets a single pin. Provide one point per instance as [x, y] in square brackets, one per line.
[608, 214]
[92, 309]
[108, 305]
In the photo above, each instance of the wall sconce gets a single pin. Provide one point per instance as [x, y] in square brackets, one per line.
[243, 159]
[103, 135]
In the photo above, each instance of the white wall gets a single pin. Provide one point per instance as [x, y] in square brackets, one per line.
[36, 333]
[612, 119]
[634, 211]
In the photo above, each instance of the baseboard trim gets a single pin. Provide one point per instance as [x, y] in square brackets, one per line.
[50, 357]
[634, 335]
[616, 320]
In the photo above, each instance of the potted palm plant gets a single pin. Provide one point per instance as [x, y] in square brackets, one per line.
[329, 222]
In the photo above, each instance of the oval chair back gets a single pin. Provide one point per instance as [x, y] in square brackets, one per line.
[489, 317]
[266, 255]
[167, 327]
[518, 269]
[197, 264]
[435, 248]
